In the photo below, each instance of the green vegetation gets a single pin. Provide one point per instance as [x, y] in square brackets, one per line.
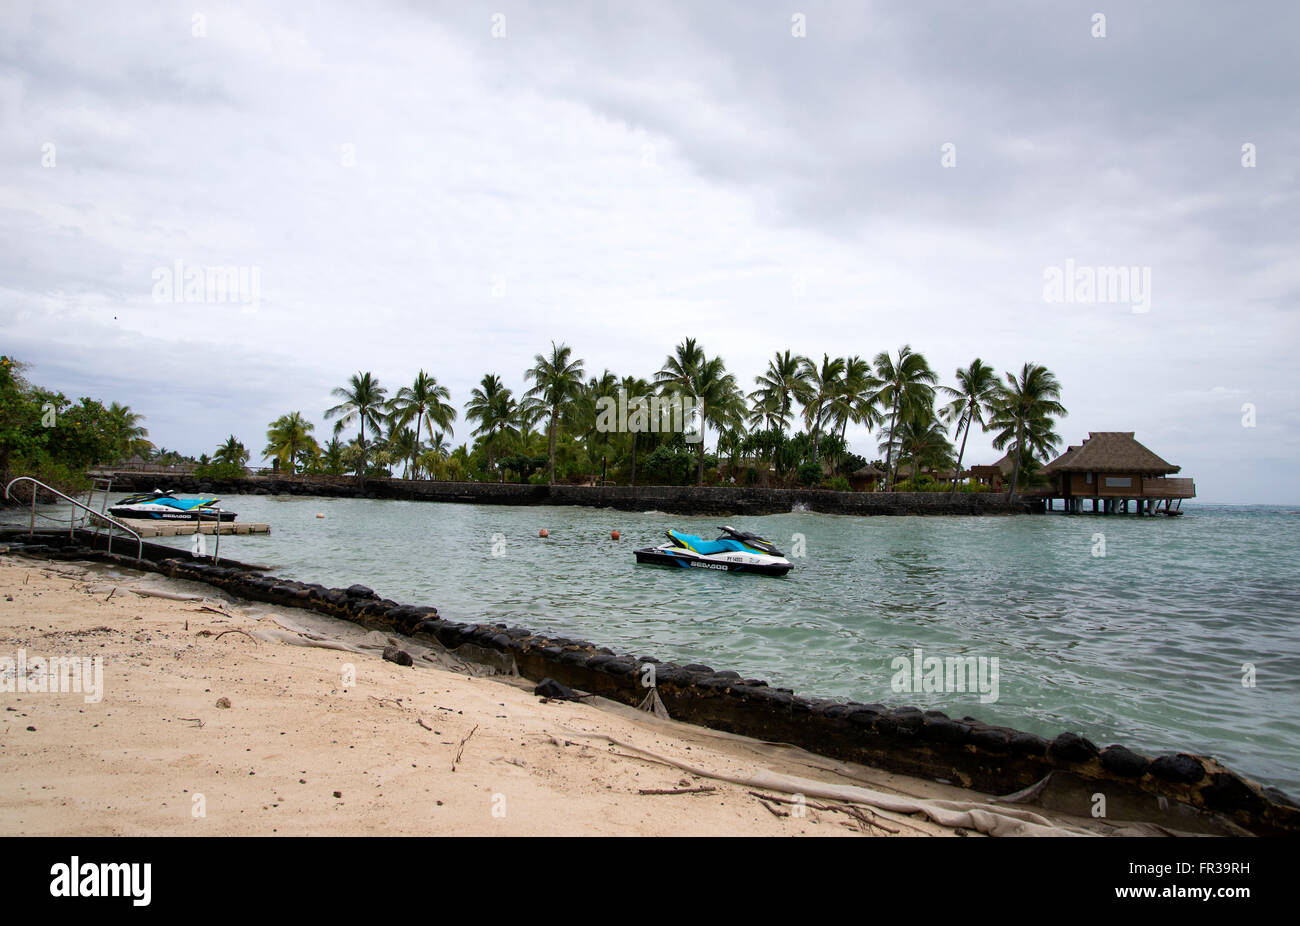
[571, 427]
[45, 435]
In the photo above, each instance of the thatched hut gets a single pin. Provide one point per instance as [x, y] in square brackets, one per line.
[1115, 471]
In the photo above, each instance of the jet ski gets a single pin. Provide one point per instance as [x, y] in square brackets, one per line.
[734, 551]
[164, 506]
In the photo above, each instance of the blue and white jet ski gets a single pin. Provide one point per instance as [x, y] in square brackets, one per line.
[734, 551]
[163, 506]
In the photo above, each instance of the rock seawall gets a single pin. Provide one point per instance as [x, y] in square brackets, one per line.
[1182, 791]
[692, 500]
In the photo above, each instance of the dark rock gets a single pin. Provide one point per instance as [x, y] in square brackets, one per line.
[990, 739]
[1180, 769]
[697, 667]
[1027, 744]
[1277, 796]
[550, 688]
[401, 657]
[905, 721]
[360, 591]
[1071, 747]
[943, 729]
[1122, 761]
[1229, 793]
[867, 715]
[620, 667]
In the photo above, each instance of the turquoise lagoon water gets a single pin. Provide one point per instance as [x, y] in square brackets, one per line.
[1144, 646]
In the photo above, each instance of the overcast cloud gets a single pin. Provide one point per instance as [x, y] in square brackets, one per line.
[417, 193]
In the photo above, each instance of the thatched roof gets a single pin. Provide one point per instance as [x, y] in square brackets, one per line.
[1110, 452]
[907, 470]
[867, 472]
[1004, 466]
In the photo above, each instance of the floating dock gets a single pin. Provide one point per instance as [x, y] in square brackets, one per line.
[147, 527]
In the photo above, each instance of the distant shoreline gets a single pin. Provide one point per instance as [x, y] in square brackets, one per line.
[694, 500]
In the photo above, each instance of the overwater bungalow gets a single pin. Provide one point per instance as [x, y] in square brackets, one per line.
[1118, 474]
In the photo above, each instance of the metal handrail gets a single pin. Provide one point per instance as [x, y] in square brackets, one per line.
[112, 521]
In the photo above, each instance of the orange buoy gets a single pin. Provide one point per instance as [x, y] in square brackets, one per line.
[320, 514]
[543, 533]
[614, 535]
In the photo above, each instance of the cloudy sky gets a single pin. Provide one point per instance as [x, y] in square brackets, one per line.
[450, 186]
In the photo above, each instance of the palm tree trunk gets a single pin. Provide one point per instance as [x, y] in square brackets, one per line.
[361, 466]
[551, 443]
[415, 451]
[961, 453]
[889, 447]
[1015, 469]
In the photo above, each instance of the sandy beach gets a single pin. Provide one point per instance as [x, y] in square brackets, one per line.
[323, 736]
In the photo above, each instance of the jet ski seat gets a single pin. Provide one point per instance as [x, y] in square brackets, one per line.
[706, 547]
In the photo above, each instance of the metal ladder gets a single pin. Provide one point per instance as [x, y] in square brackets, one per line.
[90, 512]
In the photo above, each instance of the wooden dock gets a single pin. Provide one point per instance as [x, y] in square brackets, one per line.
[148, 527]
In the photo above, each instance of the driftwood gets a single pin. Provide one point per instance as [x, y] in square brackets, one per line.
[461, 748]
[706, 789]
[234, 630]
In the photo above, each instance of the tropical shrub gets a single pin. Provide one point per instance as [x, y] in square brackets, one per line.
[220, 471]
[810, 473]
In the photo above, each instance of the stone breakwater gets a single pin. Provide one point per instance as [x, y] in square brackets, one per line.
[1182, 791]
[701, 500]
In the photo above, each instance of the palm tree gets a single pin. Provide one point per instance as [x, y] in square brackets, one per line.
[972, 401]
[363, 400]
[824, 384]
[858, 398]
[785, 382]
[635, 387]
[1023, 414]
[404, 445]
[719, 402]
[922, 441]
[557, 382]
[232, 451]
[907, 383]
[424, 399]
[126, 433]
[332, 457]
[688, 374]
[587, 416]
[493, 406]
[288, 435]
